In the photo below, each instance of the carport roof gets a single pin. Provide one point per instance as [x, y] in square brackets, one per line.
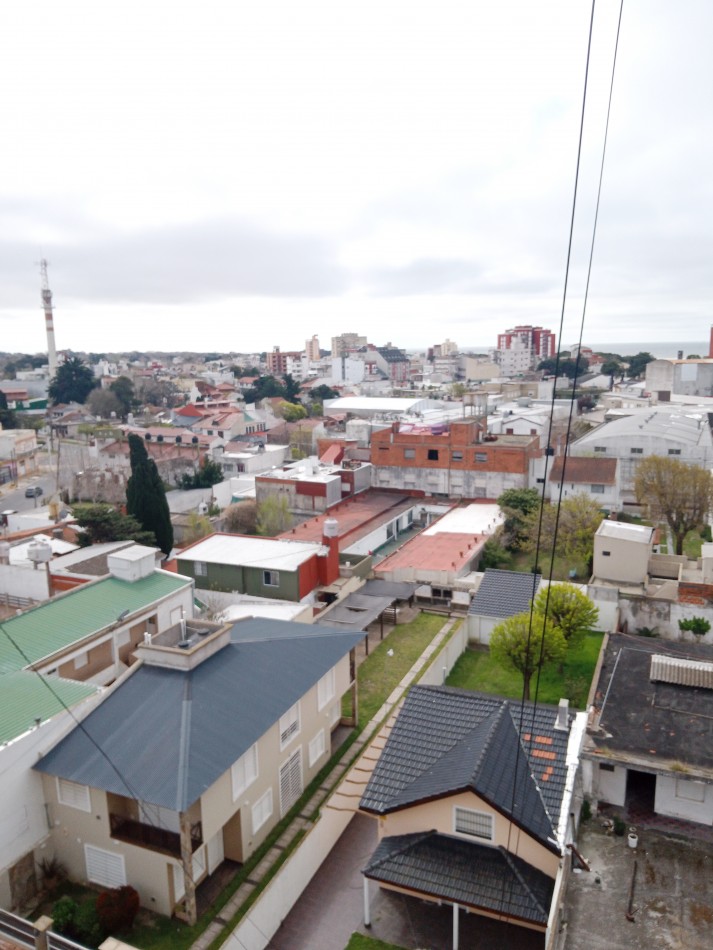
[504, 594]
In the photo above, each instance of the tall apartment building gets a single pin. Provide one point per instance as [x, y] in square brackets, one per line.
[312, 349]
[522, 348]
[346, 343]
[280, 362]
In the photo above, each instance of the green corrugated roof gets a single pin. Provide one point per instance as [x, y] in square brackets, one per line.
[26, 697]
[57, 624]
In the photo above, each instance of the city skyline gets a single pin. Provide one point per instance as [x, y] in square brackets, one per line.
[233, 178]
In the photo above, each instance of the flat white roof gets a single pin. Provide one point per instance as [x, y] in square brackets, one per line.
[269, 553]
[625, 532]
[372, 404]
[471, 519]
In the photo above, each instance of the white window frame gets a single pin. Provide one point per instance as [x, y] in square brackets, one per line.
[93, 854]
[686, 787]
[270, 578]
[262, 810]
[73, 795]
[244, 772]
[316, 748]
[289, 725]
[291, 780]
[81, 660]
[463, 815]
[200, 568]
[326, 689]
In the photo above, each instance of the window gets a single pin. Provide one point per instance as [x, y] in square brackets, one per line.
[316, 748]
[540, 481]
[637, 451]
[73, 794]
[104, 867]
[433, 455]
[325, 689]
[600, 448]
[409, 453]
[289, 725]
[606, 553]
[261, 810]
[271, 578]
[244, 771]
[81, 660]
[690, 790]
[457, 457]
[335, 714]
[510, 431]
[674, 451]
[290, 781]
[477, 824]
[481, 456]
[596, 489]
[605, 767]
[200, 568]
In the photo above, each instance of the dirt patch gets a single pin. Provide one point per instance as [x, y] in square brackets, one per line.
[701, 915]
[650, 874]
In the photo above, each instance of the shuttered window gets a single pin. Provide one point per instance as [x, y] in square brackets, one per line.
[261, 810]
[325, 689]
[244, 771]
[289, 725]
[478, 824]
[104, 867]
[316, 748]
[73, 794]
[290, 781]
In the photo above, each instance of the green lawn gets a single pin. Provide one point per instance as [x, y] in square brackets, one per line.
[476, 670]
[524, 562]
[360, 942]
[692, 544]
[380, 673]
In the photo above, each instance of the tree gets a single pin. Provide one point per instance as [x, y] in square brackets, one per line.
[570, 610]
[72, 382]
[675, 492]
[292, 412]
[146, 496]
[292, 388]
[8, 419]
[516, 504]
[579, 518]
[102, 402]
[322, 392]
[159, 392]
[198, 527]
[123, 389]
[527, 646]
[103, 523]
[209, 473]
[494, 555]
[458, 390]
[241, 518]
[638, 363]
[273, 516]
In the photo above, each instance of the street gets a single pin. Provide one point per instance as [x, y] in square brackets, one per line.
[13, 499]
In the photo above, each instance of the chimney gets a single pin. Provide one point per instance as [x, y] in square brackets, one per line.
[329, 562]
[562, 722]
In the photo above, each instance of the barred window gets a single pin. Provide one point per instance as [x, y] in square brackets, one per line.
[477, 824]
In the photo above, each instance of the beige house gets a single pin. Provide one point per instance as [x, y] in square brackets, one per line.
[474, 797]
[196, 755]
[622, 552]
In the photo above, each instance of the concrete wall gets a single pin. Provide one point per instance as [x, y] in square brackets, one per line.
[682, 797]
[480, 628]
[604, 785]
[24, 581]
[620, 560]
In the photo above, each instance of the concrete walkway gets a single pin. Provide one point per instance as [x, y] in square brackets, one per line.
[336, 775]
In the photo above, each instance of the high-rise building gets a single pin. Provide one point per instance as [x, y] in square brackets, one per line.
[347, 343]
[312, 349]
[522, 348]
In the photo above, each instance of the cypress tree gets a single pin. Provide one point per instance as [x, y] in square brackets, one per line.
[146, 496]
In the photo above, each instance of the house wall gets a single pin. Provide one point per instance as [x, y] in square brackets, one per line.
[24, 581]
[605, 785]
[626, 561]
[23, 821]
[480, 628]
[439, 815]
[681, 797]
[606, 496]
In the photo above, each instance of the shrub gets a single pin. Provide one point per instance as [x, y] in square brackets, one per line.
[118, 908]
[647, 632]
[64, 913]
[698, 626]
[619, 826]
[87, 925]
[586, 811]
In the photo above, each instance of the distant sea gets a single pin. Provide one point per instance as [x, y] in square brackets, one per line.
[659, 350]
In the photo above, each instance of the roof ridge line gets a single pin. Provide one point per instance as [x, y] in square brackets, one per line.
[516, 871]
[496, 715]
[417, 838]
[532, 774]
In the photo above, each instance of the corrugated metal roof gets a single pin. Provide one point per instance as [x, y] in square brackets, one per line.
[26, 697]
[168, 735]
[71, 617]
[674, 669]
[276, 554]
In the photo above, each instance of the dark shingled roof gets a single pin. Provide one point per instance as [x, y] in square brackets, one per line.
[449, 740]
[464, 872]
[653, 720]
[504, 593]
[168, 735]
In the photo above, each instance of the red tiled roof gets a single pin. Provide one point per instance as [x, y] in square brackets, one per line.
[433, 552]
[587, 470]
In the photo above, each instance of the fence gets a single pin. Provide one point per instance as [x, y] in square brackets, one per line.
[17, 929]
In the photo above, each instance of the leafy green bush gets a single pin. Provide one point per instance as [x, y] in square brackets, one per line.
[87, 925]
[64, 912]
[698, 626]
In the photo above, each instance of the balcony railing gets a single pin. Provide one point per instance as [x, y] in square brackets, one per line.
[152, 837]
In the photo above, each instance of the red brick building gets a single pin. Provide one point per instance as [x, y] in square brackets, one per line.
[454, 460]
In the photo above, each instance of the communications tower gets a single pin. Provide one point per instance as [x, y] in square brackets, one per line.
[49, 323]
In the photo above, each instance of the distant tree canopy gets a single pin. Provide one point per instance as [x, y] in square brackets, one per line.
[638, 363]
[159, 392]
[8, 419]
[566, 367]
[516, 504]
[322, 392]
[674, 492]
[103, 523]
[146, 496]
[209, 473]
[292, 412]
[241, 518]
[612, 367]
[102, 402]
[273, 516]
[573, 522]
[72, 382]
[265, 388]
[123, 389]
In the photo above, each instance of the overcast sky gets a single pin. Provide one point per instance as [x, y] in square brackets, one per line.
[242, 174]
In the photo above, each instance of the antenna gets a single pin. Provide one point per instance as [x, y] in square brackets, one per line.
[49, 323]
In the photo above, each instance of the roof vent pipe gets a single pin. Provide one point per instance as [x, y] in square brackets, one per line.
[562, 721]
